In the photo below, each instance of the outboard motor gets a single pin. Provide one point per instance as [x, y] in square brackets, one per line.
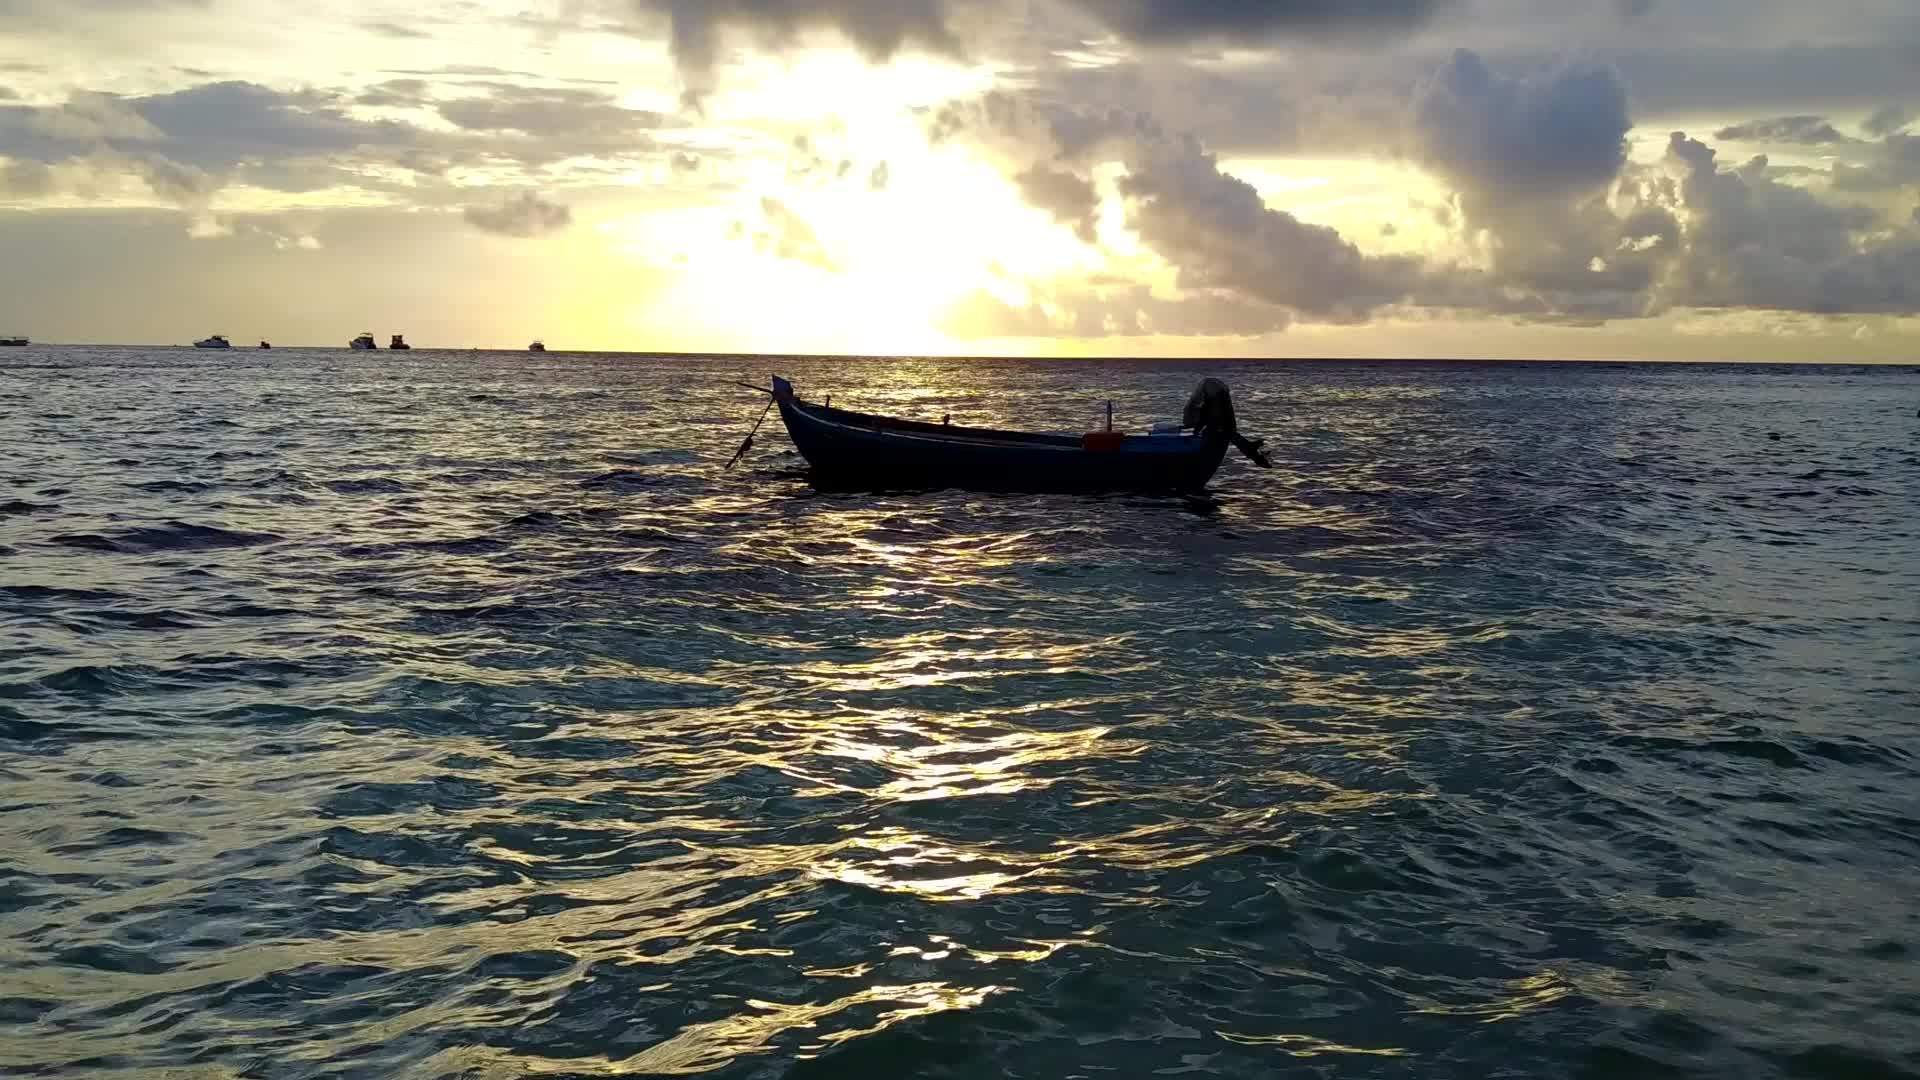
[1210, 410]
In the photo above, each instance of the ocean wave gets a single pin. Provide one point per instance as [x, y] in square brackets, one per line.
[1518, 721]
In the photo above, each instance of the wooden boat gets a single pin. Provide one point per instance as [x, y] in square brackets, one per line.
[859, 451]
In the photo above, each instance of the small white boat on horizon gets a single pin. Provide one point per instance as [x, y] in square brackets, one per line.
[363, 342]
[14, 342]
[217, 341]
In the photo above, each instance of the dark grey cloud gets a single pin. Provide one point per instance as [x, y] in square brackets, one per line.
[1181, 22]
[1070, 198]
[1804, 129]
[525, 215]
[1021, 131]
[1549, 133]
[1889, 119]
[1707, 78]
[222, 124]
[1753, 242]
[696, 29]
[699, 30]
[1219, 234]
[189, 143]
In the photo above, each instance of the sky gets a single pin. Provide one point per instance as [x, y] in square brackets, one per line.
[1589, 179]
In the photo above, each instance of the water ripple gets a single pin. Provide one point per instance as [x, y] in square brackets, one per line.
[456, 716]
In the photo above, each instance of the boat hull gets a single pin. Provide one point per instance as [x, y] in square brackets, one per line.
[856, 451]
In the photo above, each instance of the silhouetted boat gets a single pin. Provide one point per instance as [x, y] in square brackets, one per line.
[851, 450]
[264, 345]
[538, 346]
[217, 341]
[14, 342]
[363, 342]
[399, 342]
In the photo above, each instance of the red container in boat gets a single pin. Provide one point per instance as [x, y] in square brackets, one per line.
[1102, 441]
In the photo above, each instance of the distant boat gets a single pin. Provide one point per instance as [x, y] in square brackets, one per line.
[264, 345]
[16, 342]
[364, 341]
[538, 346]
[217, 341]
[399, 342]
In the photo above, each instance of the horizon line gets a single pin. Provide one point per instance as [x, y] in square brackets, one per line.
[707, 355]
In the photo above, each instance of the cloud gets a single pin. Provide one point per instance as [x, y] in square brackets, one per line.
[879, 28]
[1807, 130]
[1563, 228]
[395, 30]
[1216, 230]
[1532, 155]
[1754, 242]
[1071, 199]
[187, 145]
[396, 94]
[525, 215]
[1533, 158]
[1550, 133]
[1888, 119]
[1891, 164]
[543, 112]
[1096, 308]
[788, 236]
[223, 123]
[84, 117]
[1678, 79]
[26, 179]
[1180, 22]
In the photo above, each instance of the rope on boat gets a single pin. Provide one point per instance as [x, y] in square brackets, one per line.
[747, 444]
